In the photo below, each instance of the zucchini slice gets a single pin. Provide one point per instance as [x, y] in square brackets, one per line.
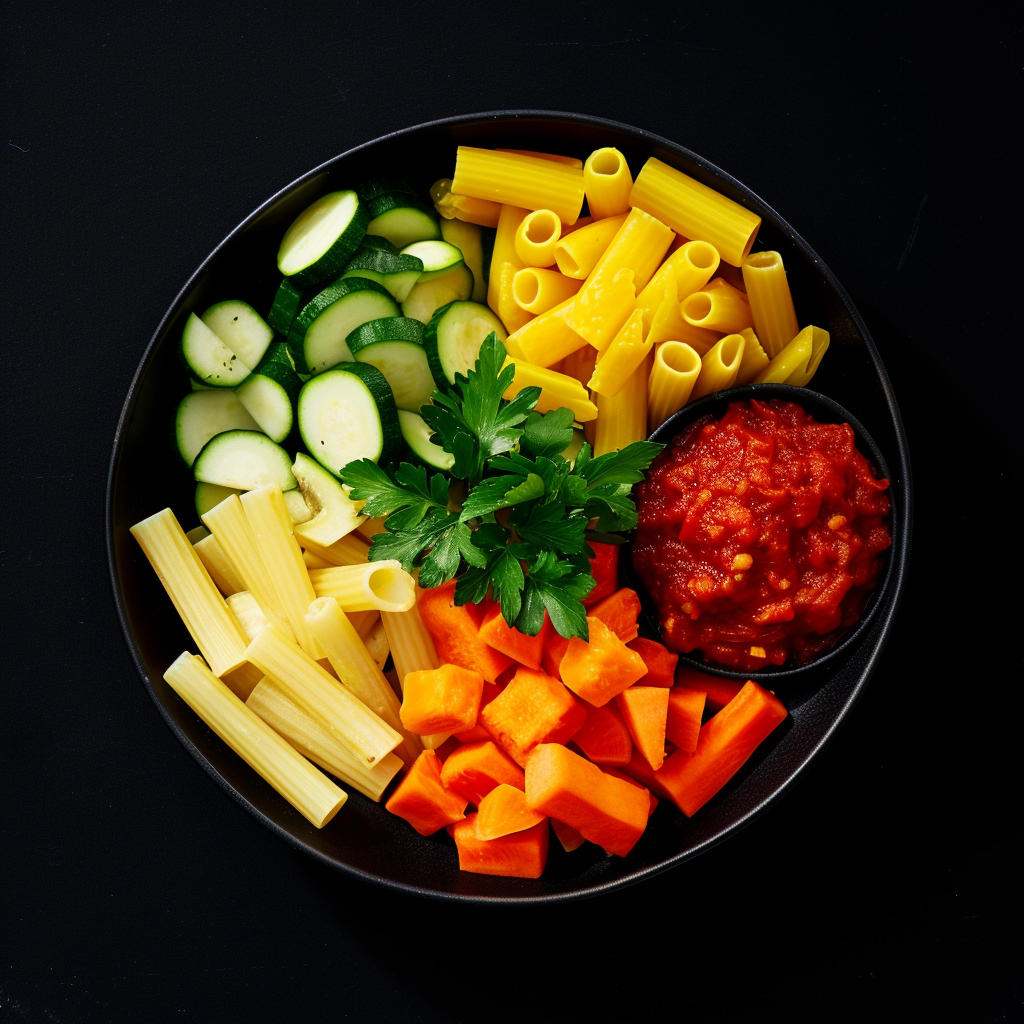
[417, 436]
[468, 239]
[241, 328]
[244, 459]
[438, 257]
[401, 218]
[205, 414]
[333, 514]
[269, 394]
[428, 296]
[210, 496]
[298, 511]
[207, 358]
[322, 239]
[395, 346]
[454, 336]
[395, 272]
[288, 300]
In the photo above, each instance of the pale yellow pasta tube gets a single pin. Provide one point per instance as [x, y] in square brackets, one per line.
[569, 161]
[675, 371]
[384, 586]
[364, 621]
[218, 565]
[240, 681]
[718, 307]
[312, 561]
[464, 208]
[557, 390]
[667, 323]
[195, 596]
[802, 375]
[719, 367]
[249, 614]
[536, 238]
[537, 290]
[308, 790]
[579, 364]
[530, 182]
[546, 339]
[349, 720]
[798, 360]
[577, 253]
[376, 641]
[350, 550]
[369, 528]
[196, 534]
[622, 419]
[313, 740]
[621, 358]
[504, 250]
[265, 510]
[691, 266]
[694, 210]
[771, 304]
[754, 358]
[511, 314]
[607, 182]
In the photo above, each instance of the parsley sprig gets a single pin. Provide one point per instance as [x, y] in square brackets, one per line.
[522, 530]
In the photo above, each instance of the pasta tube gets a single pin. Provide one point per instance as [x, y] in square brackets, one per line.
[504, 251]
[719, 367]
[347, 718]
[754, 358]
[376, 641]
[607, 182]
[622, 357]
[536, 238]
[265, 510]
[218, 565]
[310, 792]
[312, 561]
[557, 390]
[195, 597]
[313, 740]
[249, 614]
[384, 586]
[527, 181]
[580, 364]
[546, 339]
[667, 323]
[240, 681]
[797, 363]
[196, 534]
[719, 307]
[577, 253]
[771, 304]
[369, 528]
[675, 371]
[537, 290]
[465, 208]
[622, 418]
[511, 314]
[350, 550]
[691, 267]
[819, 345]
[364, 621]
[569, 161]
[694, 210]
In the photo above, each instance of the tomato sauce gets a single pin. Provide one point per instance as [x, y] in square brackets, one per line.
[760, 535]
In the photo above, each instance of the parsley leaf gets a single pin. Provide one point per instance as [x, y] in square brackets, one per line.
[548, 434]
[507, 581]
[548, 527]
[500, 492]
[383, 495]
[624, 466]
[561, 589]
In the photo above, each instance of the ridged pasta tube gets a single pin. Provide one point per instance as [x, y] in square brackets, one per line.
[384, 586]
[718, 307]
[536, 238]
[754, 358]
[607, 182]
[771, 303]
[536, 290]
[719, 366]
[577, 253]
[622, 418]
[675, 371]
[546, 339]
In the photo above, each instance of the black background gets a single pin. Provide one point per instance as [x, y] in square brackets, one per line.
[885, 883]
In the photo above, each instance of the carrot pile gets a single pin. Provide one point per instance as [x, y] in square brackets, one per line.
[586, 735]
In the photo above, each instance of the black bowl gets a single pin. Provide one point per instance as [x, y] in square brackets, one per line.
[825, 410]
[364, 840]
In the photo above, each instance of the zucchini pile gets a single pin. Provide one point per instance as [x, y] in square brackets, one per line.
[379, 305]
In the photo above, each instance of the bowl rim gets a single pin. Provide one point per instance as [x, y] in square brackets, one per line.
[886, 618]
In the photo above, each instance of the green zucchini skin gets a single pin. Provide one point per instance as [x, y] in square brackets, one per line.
[288, 300]
[390, 328]
[331, 262]
[454, 336]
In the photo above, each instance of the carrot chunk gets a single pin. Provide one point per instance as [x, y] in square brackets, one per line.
[725, 743]
[719, 691]
[685, 709]
[519, 855]
[503, 811]
[478, 732]
[567, 835]
[633, 782]
[599, 668]
[604, 567]
[603, 737]
[554, 652]
[619, 612]
[603, 809]
[445, 699]
[422, 799]
[474, 770]
[643, 773]
[645, 712]
[527, 650]
[534, 708]
[660, 662]
[455, 630]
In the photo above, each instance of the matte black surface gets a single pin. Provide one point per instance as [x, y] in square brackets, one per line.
[884, 885]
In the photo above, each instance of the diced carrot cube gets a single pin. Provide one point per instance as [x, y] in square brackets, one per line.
[604, 567]
[685, 710]
[475, 769]
[633, 782]
[719, 691]
[503, 811]
[554, 651]
[640, 770]
[603, 737]
[599, 668]
[445, 699]
[567, 835]
[660, 662]
[619, 612]
[455, 630]
[422, 799]
[478, 732]
[645, 712]
[527, 650]
[519, 855]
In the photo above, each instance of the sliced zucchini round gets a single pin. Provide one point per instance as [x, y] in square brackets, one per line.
[454, 336]
[404, 365]
[401, 218]
[208, 358]
[241, 328]
[322, 239]
[396, 273]
[428, 296]
[333, 514]
[437, 256]
[210, 496]
[375, 191]
[417, 436]
[348, 413]
[389, 328]
[468, 239]
[269, 395]
[289, 298]
[205, 414]
[245, 459]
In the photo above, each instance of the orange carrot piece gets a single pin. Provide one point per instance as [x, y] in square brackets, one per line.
[719, 691]
[643, 773]
[455, 630]
[603, 737]
[519, 855]
[527, 650]
[660, 662]
[534, 708]
[478, 732]
[685, 710]
[619, 612]
[554, 652]
[567, 835]
[504, 811]
[603, 809]
[645, 712]
[422, 799]
[604, 567]
[633, 782]
[725, 743]
[445, 699]
[474, 770]
[601, 667]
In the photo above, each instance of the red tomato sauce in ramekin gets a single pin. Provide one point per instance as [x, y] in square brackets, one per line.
[760, 535]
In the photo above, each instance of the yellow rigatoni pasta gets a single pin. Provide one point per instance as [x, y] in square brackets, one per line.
[268, 518]
[369, 528]
[241, 680]
[622, 418]
[675, 371]
[530, 182]
[308, 790]
[578, 252]
[771, 304]
[798, 361]
[249, 614]
[464, 208]
[504, 250]
[667, 323]
[607, 182]
[802, 375]
[364, 621]
[557, 390]
[718, 368]
[383, 585]
[511, 314]
[621, 358]
[579, 364]
[196, 534]
[218, 565]
[691, 266]
[536, 238]
[376, 641]
[312, 561]
[718, 307]
[569, 161]
[537, 290]
[348, 719]
[195, 596]
[350, 550]
[694, 210]
[546, 339]
[311, 738]
[754, 358]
